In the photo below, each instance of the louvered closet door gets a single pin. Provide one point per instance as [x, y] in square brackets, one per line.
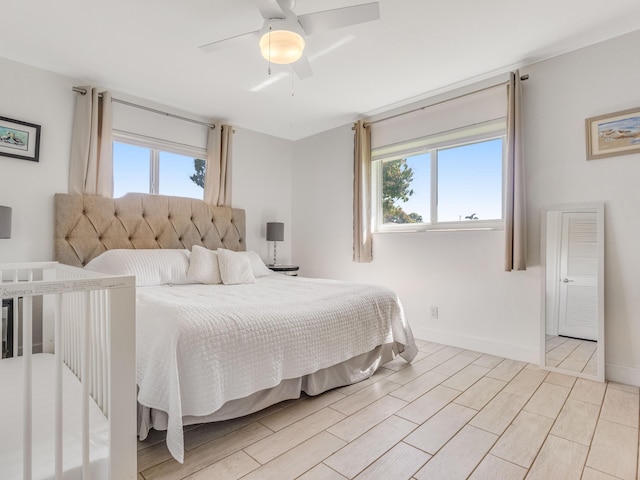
[578, 294]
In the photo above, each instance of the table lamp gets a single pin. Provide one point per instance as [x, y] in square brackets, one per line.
[275, 233]
[5, 222]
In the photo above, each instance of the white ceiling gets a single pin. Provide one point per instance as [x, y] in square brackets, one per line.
[148, 48]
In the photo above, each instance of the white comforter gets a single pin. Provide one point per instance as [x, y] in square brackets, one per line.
[199, 346]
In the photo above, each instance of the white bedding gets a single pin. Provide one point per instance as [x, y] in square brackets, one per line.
[199, 346]
[11, 375]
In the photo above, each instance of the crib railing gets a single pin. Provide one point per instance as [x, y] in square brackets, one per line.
[85, 319]
[88, 321]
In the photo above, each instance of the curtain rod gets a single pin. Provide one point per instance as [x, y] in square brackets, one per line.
[523, 78]
[83, 91]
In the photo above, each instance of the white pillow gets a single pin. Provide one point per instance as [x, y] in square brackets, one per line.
[151, 266]
[203, 266]
[235, 268]
[257, 265]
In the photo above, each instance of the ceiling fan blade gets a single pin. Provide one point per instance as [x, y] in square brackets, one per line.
[270, 9]
[302, 68]
[339, 17]
[231, 42]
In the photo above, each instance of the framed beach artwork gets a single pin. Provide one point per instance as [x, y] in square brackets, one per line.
[19, 139]
[613, 134]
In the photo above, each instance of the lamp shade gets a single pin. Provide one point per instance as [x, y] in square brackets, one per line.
[275, 232]
[5, 222]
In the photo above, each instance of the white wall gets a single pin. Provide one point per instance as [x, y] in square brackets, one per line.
[562, 92]
[46, 99]
[481, 306]
[262, 164]
[262, 186]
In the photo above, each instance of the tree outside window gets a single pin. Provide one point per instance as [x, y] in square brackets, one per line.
[396, 188]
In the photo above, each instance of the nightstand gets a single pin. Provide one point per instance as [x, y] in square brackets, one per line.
[290, 270]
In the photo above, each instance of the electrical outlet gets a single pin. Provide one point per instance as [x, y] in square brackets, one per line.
[433, 313]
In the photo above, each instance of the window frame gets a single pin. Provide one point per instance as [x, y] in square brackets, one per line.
[156, 146]
[459, 137]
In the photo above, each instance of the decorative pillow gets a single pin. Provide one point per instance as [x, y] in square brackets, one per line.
[150, 266]
[203, 266]
[235, 268]
[257, 265]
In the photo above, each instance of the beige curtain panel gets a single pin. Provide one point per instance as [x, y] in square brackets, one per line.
[515, 221]
[217, 177]
[362, 244]
[91, 160]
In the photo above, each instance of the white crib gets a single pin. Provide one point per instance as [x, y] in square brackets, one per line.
[74, 405]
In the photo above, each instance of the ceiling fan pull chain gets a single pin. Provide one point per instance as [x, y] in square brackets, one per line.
[269, 69]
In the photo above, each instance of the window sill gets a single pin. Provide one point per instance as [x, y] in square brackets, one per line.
[444, 227]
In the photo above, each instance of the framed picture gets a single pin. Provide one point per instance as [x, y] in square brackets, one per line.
[19, 139]
[613, 134]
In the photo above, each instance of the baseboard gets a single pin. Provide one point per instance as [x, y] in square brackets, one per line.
[622, 374]
[483, 345]
[613, 372]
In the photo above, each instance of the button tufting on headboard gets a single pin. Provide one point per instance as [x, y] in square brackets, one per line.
[140, 221]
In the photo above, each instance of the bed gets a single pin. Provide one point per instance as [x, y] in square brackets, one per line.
[211, 350]
[66, 413]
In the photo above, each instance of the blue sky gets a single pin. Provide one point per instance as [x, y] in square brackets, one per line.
[131, 172]
[469, 181]
[175, 171]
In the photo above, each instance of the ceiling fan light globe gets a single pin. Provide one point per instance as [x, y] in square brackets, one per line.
[281, 46]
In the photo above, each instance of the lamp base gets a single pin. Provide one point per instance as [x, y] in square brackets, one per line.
[275, 252]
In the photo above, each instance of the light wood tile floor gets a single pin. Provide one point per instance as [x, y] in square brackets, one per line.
[571, 354]
[450, 414]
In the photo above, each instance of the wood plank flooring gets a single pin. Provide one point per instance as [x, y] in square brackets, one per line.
[451, 414]
[571, 354]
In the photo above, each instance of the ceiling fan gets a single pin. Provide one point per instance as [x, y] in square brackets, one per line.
[282, 36]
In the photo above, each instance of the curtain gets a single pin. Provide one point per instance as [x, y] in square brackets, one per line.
[217, 176]
[91, 160]
[515, 216]
[362, 246]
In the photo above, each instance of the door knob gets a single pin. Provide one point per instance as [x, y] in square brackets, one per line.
[566, 280]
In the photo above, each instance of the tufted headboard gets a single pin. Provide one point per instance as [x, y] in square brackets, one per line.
[86, 226]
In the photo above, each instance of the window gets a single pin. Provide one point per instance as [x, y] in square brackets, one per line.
[452, 180]
[131, 169]
[149, 166]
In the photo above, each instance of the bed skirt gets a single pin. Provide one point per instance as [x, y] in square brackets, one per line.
[348, 372]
